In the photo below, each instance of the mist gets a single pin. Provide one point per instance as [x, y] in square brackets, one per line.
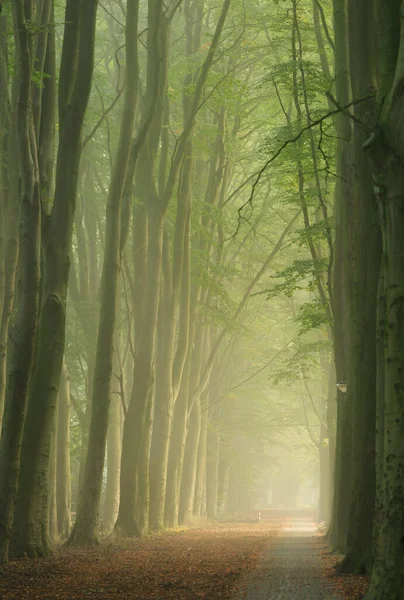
[201, 293]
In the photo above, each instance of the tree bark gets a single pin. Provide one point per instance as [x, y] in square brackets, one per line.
[189, 470]
[21, 356]
[200, 481]
[87, 519]
[364, 268]
[63, 474]
[212, 474]
[386, 154]
[30, 534]
[342, 215]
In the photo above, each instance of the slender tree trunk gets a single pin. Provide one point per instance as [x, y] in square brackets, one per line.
[324, 460]
[170, 361]
[9, 209]
[63, 474]
[342, 209]
[189, 470]
[111, 501]
[50, 503]
[224, 482]
[87, 518]
[143, 383]
[4, 132]
[163, 410]
[176, 451]
[200, 481]
[193, 430]
[212, 474]
[143, 470]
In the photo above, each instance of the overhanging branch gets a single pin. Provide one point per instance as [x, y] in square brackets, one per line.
[293, 140]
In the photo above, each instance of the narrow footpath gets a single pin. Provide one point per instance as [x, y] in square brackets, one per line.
[280, 557]
[292, 569]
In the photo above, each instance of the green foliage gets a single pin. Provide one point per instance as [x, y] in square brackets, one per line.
[315, 232]
[301, 362]
[301, 274]
[38, 78]
[312, 315]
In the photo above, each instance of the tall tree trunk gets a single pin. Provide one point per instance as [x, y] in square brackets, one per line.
[63, 474]
[224, 482]
[30, 535]
[88, 513]
[143, 384]
[177, 450]
[9, 208]
[342, 209]
[200, 481]
[386, 154]
[365, 266]
[21, 355]
[111, 501]
[387, 573]
[212, 473]
[152, 217]
[143, 467]
[164, 404]
[50, 500]
[189, 470]
[171, 361]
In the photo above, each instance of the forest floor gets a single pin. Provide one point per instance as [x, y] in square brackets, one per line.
[251, 561]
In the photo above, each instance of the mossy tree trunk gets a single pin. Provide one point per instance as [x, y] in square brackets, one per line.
[31, 534]
[385, 151]
[63, 473]
[364, 267]
[342, 210]
[9, 206]
[21, 355]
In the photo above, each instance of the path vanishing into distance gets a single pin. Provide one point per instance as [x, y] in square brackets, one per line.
[278, 558]
[292, 568]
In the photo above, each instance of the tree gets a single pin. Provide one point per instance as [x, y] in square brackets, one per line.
[88, 513]
[30, 533]
[385, 152]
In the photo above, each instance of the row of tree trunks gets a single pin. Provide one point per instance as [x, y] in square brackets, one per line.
[369, 455]
[156, 193]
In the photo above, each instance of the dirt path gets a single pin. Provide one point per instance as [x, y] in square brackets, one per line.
[267, 560]
[292, 568]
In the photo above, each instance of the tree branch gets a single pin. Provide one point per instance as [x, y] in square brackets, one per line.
[292, 140]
